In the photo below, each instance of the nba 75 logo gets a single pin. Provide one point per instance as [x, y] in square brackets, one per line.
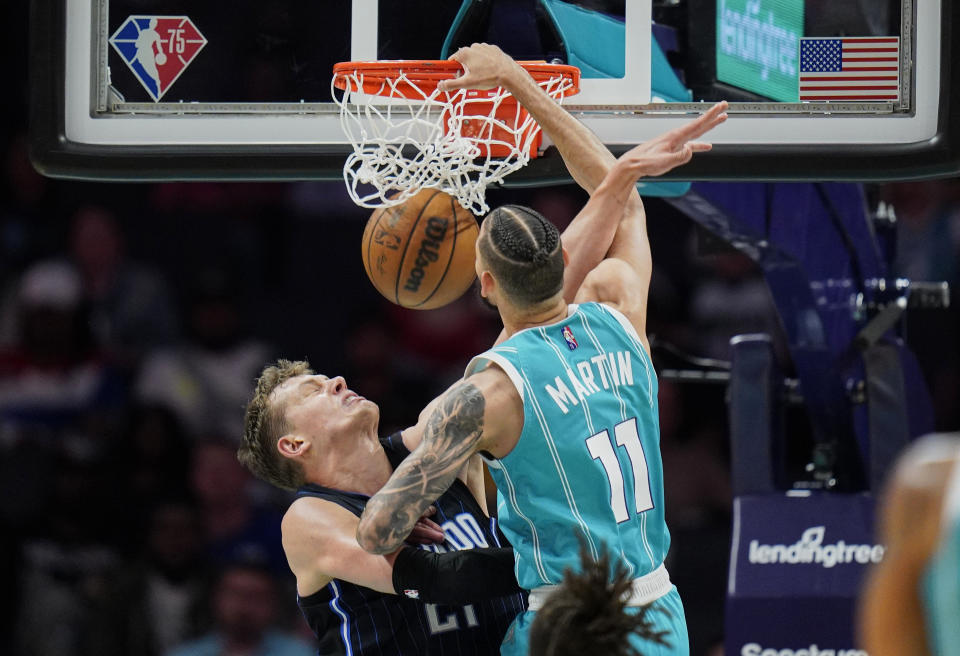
[157, 49]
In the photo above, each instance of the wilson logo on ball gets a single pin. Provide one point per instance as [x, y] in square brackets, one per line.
[420, 253]
[429, 251]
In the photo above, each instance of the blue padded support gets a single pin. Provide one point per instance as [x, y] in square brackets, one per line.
[594, 41]
[663, 189]
[580, 31]
[665, 86]
[754, 408]
[454, 28]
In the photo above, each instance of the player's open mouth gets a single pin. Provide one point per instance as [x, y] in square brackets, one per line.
[353, 398]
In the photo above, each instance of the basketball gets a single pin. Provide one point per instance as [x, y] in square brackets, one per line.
[420, 254]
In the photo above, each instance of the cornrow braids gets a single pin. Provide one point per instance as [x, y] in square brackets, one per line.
[522, 234]
[522, 250]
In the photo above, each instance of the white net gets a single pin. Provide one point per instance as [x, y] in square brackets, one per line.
[459, 142]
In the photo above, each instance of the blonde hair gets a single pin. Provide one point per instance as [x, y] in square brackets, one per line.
[265, 423]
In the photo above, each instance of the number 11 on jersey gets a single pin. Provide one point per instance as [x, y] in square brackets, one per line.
[601, 448]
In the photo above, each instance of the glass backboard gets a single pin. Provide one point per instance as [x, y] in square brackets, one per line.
[820, 89]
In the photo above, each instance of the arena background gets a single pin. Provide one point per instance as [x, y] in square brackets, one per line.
[135, 317]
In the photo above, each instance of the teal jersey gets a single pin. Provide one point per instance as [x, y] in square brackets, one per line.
[941, 585]
[588, 460]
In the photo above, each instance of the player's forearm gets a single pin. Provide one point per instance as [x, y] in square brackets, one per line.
[585, 156]
[613, 194]
[618, 198]
[590, 235]
[630, 242]
[390, 515]
[453, 429]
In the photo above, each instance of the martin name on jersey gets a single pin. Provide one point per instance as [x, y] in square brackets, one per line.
[589, 376]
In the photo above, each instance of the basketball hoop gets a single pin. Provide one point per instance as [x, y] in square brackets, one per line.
[407, 134]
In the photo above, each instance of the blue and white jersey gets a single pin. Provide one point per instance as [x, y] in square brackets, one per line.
[588, 460]
[351, 620]
[941, 586]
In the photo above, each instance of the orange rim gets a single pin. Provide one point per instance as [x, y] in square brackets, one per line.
[426, 73]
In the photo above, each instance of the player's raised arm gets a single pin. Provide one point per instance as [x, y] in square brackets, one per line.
[588, 238]
[486, 66]
[616, 196]
[624, 280]
[587, 159]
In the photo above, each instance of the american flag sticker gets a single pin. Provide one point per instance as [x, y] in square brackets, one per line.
[850, 68]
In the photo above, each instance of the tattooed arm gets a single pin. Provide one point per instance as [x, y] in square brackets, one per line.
[482, 413]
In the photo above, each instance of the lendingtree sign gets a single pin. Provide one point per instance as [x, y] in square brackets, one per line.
[757, 46]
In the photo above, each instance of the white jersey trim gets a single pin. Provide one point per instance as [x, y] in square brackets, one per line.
[622, 319]
[497, 359]
[643, 590]
[571, 310]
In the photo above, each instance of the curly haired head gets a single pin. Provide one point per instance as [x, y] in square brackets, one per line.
[523, 252]
[265, 424]
[588, 614]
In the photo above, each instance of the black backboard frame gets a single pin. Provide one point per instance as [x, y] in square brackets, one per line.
[55, 155]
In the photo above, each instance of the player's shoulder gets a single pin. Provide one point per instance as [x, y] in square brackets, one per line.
[502, 402]
[314, 518]
[914, 498]
[314, 532]
[613, 281]
[616, 286]
[916, 487]
[493, 379]
[927, 464]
